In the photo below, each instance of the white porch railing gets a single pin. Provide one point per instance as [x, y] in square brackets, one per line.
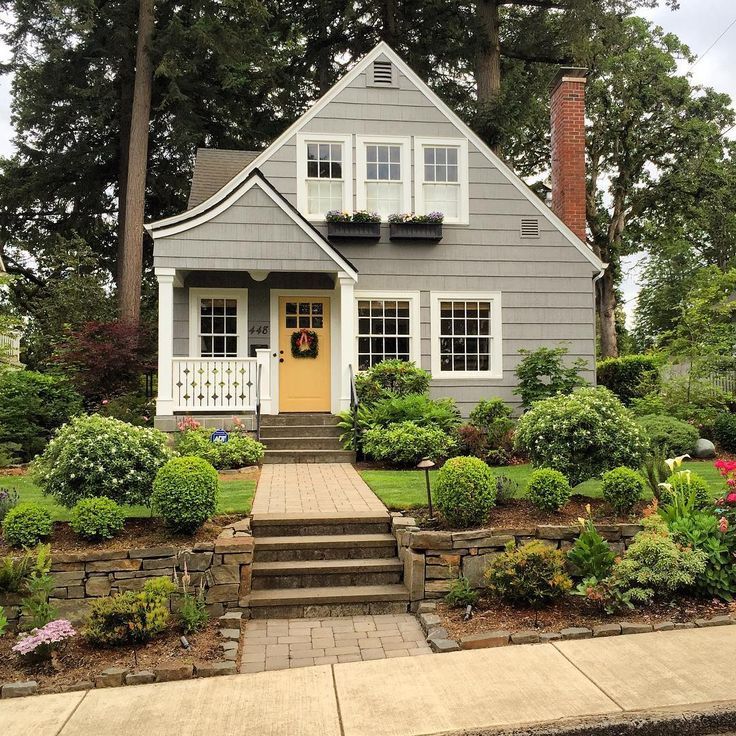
[10, 348]
[214, 384]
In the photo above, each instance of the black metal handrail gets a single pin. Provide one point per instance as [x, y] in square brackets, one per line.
[354, 407]
[258, 401]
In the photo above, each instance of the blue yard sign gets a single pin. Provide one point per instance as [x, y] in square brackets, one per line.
[219, 437]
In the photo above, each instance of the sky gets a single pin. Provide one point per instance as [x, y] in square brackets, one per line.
[698, 23]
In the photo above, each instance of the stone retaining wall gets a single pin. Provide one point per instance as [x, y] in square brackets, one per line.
[223, 566]
[432, 560]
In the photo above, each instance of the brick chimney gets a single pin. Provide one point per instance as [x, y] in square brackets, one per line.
[567, 119]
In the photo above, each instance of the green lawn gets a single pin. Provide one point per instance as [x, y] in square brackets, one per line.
[236, 497]
[406, 489]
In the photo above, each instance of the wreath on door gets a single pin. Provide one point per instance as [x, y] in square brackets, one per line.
[304, 344]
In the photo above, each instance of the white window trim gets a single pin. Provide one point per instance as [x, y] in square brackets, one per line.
[415, 331]
[496, 371]
[240, 295]
[301, 171]
[462, 175]
[361, 141]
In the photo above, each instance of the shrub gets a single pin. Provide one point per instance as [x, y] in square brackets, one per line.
[623, 488]
[391, 378]
[417, 408]
[94, 456]
[130, 617]
[185, 493]
[488, 411]
[3, 622]
[498, 458]
[193, 613]
[97, 518]
[694, 400]
[8, 500]
[32, 407]
[629, 377]
[655, 567]
[581, 435]
[26, 525]
[472, 440]
[134, 408]
[465, 491]
[591, 555]
[9, 454]
[42, 641]
[668, 436]
[461, 594]
[406, 443]
[239, 451]
[532, 575]
[685, 483]
[542, 374]
[548, 489]
[724, 430]
[506, 489]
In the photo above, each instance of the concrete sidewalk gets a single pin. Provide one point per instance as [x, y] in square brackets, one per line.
[413, 696]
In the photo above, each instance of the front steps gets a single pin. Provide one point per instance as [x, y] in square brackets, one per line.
[303, 438]
[325, 565]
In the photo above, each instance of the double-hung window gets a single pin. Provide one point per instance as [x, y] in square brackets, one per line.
[387, 327]
[325, 170]
[441, 177]
[466, 335]
[384, 175]
[216, 322]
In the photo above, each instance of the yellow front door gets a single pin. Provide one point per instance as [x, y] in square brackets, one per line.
[304, 377]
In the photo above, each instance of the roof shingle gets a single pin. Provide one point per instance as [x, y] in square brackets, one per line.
[213, 168]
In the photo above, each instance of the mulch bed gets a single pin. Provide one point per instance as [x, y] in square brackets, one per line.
[490, 615]
[81, 661]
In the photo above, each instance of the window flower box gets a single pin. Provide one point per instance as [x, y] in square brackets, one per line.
[416, 227]
[358, 226]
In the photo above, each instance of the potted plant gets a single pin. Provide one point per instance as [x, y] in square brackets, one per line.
[359, 225]
[416, 227]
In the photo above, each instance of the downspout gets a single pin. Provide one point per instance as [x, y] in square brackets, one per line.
[596, 279]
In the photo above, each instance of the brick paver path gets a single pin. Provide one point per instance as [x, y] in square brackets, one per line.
[279, 644]
[332, 488]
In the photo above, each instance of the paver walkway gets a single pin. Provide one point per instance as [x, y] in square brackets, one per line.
[277, 644]
[309, 488]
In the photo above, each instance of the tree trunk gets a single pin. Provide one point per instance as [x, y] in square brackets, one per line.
[488, 52]
[606, 305]
[389, 29]
[127, 77]
[132, 260]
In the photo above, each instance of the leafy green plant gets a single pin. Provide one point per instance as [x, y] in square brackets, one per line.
[654, 470]
[548, 489]
[391, 378]
[13, 572]
[36, 609]
[96, 456]
[507, 489]
[8, 500]
[406, 443]
[3, 622]
[193, 613]
[542, 373]
[581, 435]
[417, 408]
[487, 411]
[724, 430]
[685, 483]
[622, 489]
[354, 426]
[630, 376]
[533, 574]
[185, 493]
[97, 518]
[239, 451]
[465, 491]
[461, 594]
[591, 555]
[130, 617]
[27, 524]
[668, 436]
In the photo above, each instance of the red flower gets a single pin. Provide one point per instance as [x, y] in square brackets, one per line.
[731, 497]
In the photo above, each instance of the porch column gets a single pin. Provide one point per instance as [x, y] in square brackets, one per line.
[347, 335]
[165, 398]
[263, 361]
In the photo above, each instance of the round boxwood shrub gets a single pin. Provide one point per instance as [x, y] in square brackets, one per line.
[26, 525]
[391, 378]
[685, 482]
[185, 493]
[581, 435]
[668, 436]
[724, 430]
[465, 491]
[548, 489]
[239, 451]
[623, 488]
[97, 518]
[406, 443]
[100, 456]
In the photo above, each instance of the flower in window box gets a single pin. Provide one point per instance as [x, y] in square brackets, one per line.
[337, 216]
[365, 216]
[433, 218]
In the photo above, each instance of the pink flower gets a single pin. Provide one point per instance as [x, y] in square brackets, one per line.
[105, 402]
[55, 632]
[723, 525]
[731, 497]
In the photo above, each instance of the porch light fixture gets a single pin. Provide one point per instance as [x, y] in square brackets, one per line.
[257, 275]
[426, 465]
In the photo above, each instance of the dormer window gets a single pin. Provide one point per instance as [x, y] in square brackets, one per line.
[324, 163]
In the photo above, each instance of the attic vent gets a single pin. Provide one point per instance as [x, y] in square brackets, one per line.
[529, 227]
[382, 74]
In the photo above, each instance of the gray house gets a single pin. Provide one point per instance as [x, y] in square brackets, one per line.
[261, 302]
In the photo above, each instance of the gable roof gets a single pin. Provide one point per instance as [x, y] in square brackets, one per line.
[255, 177]
[384, 49]
[213, 168]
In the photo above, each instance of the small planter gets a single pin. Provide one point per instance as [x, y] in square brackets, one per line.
[354, 230]
[431, 231]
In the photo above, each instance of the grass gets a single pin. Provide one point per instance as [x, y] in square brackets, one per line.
[236, 497]
[406, 489]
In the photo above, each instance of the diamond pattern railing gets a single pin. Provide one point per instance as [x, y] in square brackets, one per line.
[214, 384]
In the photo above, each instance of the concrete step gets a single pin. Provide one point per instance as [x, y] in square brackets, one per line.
[309, 456]
[324, 547]
[302, 443]
[307, 419]
[297, 524]
[331, 601]
[326, 573]
[300, 430]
